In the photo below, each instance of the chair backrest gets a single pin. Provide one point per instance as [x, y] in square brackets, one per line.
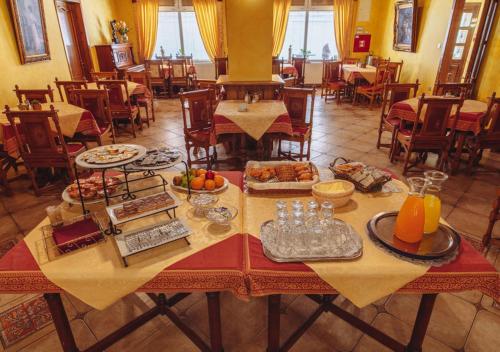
[435, 113]
[36, 139]
[155, 68]
[395, 68]
[221, 66]
[377, 60]
[331, 70]
[350, 61]
[196, 104]
[67, 86]
[295, 100]
[118, 94]
[96, 101]
[188, 58]
[34, 94]
[210, 84]
[491, 123]
[382, 76]
[277, 67]
[453, 88]
[140, 77]
[178, 68]
[104, 75]
[299, 62]
[396, 92]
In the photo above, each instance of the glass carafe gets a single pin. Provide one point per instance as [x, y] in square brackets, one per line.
[411, 217]
[432, 201]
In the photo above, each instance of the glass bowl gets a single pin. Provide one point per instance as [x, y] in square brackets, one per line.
[202, 202]
[222, 215]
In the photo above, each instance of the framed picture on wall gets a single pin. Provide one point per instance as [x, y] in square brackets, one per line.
[405, 25]
[31, 33]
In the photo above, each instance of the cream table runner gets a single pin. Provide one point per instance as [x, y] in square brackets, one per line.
[469, 106]
[97, 275]
[349, 72]
[376, 274]
[257, 119]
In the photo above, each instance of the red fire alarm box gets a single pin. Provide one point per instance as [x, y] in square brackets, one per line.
[362, 43]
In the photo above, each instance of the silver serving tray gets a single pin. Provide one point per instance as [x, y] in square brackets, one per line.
[315, 257]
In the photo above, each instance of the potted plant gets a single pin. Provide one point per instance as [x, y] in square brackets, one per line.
[36, 105]
[122, 28]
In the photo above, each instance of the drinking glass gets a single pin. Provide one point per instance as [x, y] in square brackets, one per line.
[283, 240]
[299, 232]
[328, 224]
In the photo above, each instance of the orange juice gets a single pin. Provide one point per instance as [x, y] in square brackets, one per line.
[432, 206]
[411, 218]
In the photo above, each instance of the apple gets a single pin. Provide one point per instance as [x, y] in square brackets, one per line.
[209, 175]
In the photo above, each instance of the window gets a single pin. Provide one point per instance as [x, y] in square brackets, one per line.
[310, 27]
[178, 30]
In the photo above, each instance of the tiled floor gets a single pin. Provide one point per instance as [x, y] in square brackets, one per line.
[467, 321]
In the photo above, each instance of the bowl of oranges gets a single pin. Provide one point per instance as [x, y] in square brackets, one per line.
[200, 181]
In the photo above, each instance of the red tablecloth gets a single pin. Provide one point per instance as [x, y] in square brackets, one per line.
[470, 115]
[222, 125]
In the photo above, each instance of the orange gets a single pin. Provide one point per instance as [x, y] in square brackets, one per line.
[200, 172]
[209, 185]
[197, 183]
[219, 181]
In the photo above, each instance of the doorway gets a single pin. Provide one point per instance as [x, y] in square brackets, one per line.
[74, 38]
[468, 35]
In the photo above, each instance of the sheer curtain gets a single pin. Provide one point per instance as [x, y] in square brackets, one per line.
[206, 16]
[343, 12]
[146, 18]
[281, 8]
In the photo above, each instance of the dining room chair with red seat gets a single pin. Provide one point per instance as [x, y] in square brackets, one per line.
[332, 82]
[66, 86]
[393, 93]
[299, 62]
[489, 135]
[97, 102]
[39, 145]
[179, 76]
[157, 77]
[103, 75]
[395, 68]
[221, 66]
[374, 90]
[454, 89]
[431, 132]
[296, 102]
[120, 106]
[488, 240]
[143, 101]
[215, 93]
[197, 116]
[42, 95]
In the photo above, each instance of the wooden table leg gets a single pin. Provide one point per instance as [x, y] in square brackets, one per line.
[61, 322]
[214, 321]
[273, 323]
[421, 322]
[455, 162]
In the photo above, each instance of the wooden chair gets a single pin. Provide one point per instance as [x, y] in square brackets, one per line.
[97, 102]
[210, 84]
[432, 134]
[395, 68]
[299, 62]
[197, 115]
[372, 91]
[156, 69]
[67, 86]
[350, 61]
[221, 66]
[296, 101]
[147, 103]
[39, 145]
[488, 137]
[332, 82]
[277, 66]
[454, 89]
[34, 94]
[5, 162]
[103, 75]
[179, 76]
[120, 106]
[487, 240]
[393, 93]
[377, 60]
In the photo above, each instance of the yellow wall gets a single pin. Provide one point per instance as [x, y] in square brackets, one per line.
[489, 77]
[249, 40]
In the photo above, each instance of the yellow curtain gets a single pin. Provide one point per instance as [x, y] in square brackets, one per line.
[206, 16]
[281, 8]
[146, 18]
[344, 11]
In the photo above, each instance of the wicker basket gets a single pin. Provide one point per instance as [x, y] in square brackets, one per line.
[374, 187]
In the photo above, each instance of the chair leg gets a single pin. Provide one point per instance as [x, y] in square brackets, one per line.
[338, 96]
[33, 180]
[188, 151]
[407, 160]
[113, 132]
[153, 109]
[301, 155]
[147, 114]
[209, 164]
[309, 149]
[472, 157]
[132, 123]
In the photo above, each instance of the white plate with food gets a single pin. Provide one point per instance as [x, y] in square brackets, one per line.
[92, 188]
[107, 156]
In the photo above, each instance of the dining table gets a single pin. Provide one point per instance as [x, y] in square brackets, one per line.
[234, 261]
[352, 73]
[133, 88]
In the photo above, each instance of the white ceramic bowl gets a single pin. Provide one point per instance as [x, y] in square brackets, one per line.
[338, 198]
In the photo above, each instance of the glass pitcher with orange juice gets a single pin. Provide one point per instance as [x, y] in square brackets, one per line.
[411, 217]
[432, 201]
